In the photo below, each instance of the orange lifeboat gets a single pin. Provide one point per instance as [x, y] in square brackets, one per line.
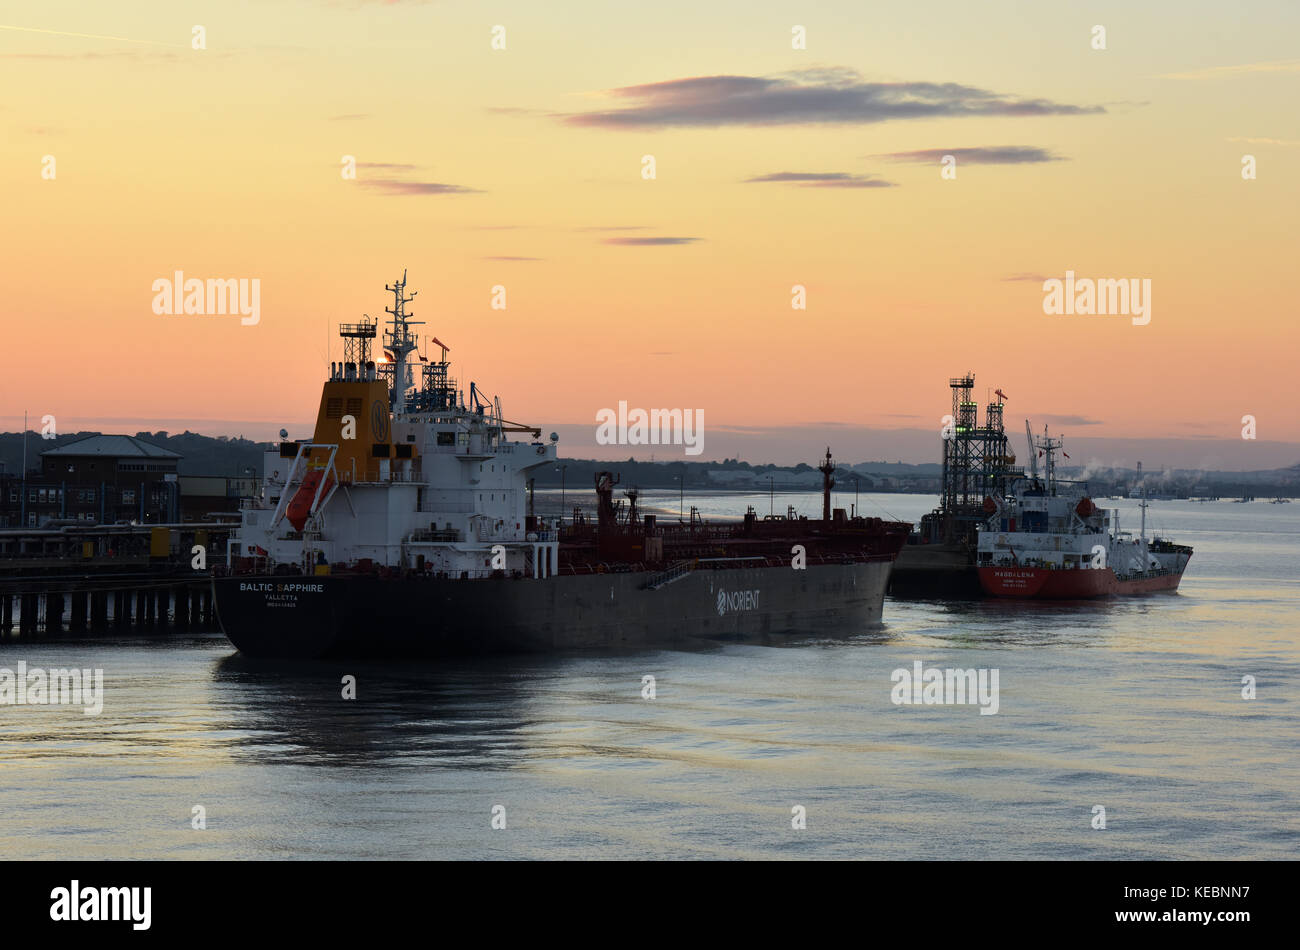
[300, 505]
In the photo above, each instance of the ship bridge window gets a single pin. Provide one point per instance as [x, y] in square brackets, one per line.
[379, 450]
[446, 438]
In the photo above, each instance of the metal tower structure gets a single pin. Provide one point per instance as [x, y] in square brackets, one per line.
[356, 342]
[977, 462]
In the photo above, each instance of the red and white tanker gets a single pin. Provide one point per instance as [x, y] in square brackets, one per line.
[1048, 540]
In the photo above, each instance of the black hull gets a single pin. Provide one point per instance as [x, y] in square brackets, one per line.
[367, 615]
[935, 572]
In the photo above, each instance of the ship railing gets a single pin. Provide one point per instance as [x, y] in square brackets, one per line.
[674, 573]
[429, 506]
[601, 567]
[427, 535]
[372, 476]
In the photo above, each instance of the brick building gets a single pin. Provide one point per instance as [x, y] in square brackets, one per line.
[102, 479]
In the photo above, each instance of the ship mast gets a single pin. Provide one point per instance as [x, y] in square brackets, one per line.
[400, 343]
[1033, 455]
[827, 468]
[1049, 445]
[1143, 506]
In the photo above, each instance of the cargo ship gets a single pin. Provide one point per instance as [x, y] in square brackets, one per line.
[406, 526]
[1048, 540]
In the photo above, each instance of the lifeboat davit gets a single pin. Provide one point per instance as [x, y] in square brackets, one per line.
[300, 505]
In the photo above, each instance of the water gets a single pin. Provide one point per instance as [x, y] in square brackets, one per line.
[1133, 704]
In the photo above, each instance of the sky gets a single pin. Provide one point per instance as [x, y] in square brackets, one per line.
[775, 167]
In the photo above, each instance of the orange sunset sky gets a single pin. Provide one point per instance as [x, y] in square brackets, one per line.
[522, 167]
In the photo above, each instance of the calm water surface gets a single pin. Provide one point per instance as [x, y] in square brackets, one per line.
[1133, 704]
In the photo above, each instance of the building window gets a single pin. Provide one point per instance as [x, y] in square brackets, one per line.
[128, 496]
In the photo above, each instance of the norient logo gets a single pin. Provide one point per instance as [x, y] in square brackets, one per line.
[183, 295]
[639, 427]
[1107, 296]
[736, 601]
[38, 687]
[936, 687]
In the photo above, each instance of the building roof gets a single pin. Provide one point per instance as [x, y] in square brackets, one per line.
[112, 446]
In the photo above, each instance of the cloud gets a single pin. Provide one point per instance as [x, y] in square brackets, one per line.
[648, 241]
[392, 186]
[1067, 420]
[388, 166]
[1227, 72]
[618, 227]
[92, 36]
[130, 55]
[978, 155]
[824, 180]
[826, 95]
[1036, 278]
[1261, 141]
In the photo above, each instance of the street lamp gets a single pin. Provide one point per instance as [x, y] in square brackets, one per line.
[562, 468]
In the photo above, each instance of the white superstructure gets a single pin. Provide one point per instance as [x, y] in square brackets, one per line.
[401, 472]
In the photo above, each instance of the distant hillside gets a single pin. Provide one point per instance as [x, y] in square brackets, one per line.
[205, 455]
[201, 454]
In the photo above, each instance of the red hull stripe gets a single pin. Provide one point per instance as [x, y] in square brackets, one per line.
[1068, 585]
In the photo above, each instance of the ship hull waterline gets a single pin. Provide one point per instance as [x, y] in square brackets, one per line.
[300, 616]
[1045, 584]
